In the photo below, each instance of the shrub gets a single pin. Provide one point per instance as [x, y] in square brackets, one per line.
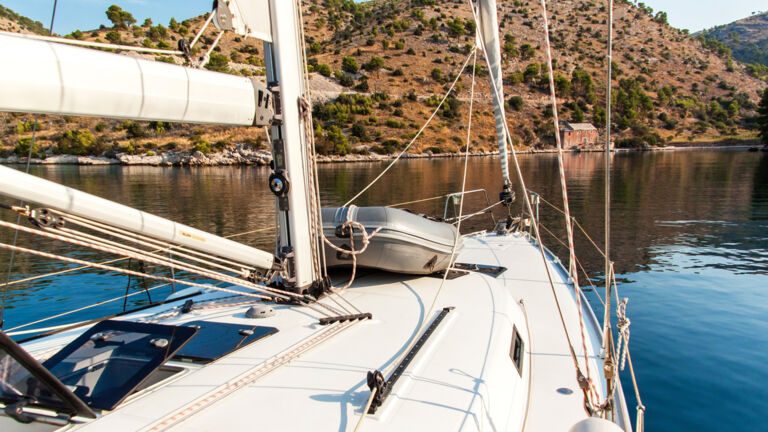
[134, 130]
[516, 103]
[218, 63]
[437, 75]
[323, 69]
[201, 146]
[77, 142]
[113, 36]
[22, 149]
[359, 131]
[349, 64]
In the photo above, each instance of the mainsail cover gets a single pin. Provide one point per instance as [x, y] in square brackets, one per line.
[488, 25]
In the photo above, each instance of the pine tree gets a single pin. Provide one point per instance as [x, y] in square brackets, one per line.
[762, 117]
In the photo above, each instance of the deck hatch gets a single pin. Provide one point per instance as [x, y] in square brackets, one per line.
[215, 340]
[23, 379]
[106, 363]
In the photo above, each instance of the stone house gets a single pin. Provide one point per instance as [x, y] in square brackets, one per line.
[578, 135]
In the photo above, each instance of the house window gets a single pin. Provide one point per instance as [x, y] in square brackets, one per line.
[516, 350]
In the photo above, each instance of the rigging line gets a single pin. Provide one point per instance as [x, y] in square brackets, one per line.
[21, 203]
[452, 259]
[578, 225]
[111, 261]
[208, 274]
[572, 269]
[586, 275]
[535, 224]
[83, 308]
[461, 209]
[118, 251]
[486, 210]
[96, 239]
[125, 271]
[433, 198]
[418, 134]
[147, 241]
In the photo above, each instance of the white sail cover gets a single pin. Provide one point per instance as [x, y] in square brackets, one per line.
[249, 18]
[489, 32]
[51, 78]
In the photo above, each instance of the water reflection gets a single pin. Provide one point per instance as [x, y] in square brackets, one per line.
[689, 240]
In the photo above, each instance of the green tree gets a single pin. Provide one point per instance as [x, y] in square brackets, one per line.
[120, 18]
[456, 28]
[374, 64]
[218, 63]
[323, 69]
[762, 117]
[527, 51]
[531, 72]
[349, 64]
[437, 75]
[78, 142]
[113, 36]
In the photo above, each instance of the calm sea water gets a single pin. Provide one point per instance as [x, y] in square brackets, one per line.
[690, 242]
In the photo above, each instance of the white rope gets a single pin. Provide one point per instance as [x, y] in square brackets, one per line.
[418, 134]
[623, 328]
[351, 225]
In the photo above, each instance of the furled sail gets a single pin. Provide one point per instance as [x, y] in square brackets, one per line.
[489, 32]
[51, 78]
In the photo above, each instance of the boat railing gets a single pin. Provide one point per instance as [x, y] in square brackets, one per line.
[453, 198]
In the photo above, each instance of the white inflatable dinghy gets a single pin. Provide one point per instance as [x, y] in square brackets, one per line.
[406, 243]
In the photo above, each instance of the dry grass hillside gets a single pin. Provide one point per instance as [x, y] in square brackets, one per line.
[379, 68]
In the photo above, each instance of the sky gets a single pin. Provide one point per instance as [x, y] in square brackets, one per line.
[71, 15]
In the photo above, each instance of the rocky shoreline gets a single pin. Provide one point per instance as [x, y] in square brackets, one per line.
[247, 157]
[229, 157]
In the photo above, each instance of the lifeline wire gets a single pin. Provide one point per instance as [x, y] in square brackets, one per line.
[418, 134]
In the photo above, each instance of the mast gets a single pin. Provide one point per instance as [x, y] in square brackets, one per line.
[290, 181]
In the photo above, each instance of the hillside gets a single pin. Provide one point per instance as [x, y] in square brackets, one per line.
[747, 38]
[10, 21]
[379, 67]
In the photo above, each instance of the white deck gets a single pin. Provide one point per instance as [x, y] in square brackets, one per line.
[463, 379]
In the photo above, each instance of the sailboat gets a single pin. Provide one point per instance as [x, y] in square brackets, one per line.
[482, 331]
